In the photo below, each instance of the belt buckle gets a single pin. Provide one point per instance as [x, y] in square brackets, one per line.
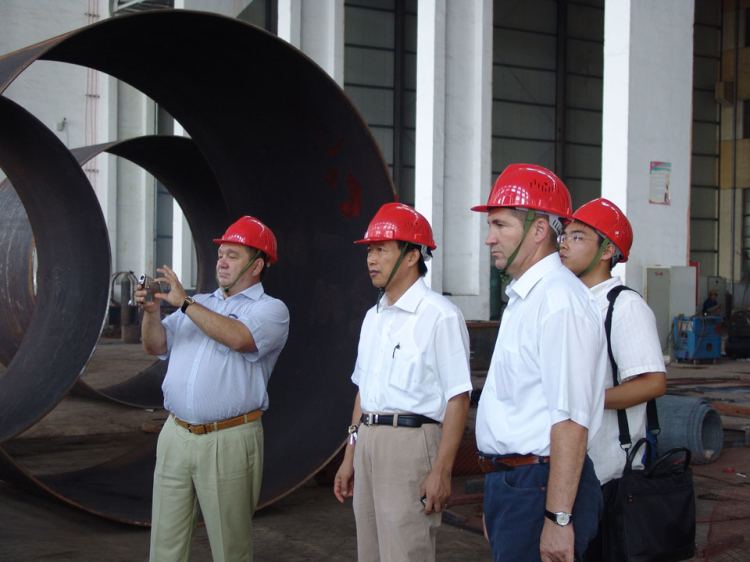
[196, 427]
[371, 419]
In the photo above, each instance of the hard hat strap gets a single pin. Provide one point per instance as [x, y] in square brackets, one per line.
[504, 277]
[606, 242]
[244, 269]
[381, 292]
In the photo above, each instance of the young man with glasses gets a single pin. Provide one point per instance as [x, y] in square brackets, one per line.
[600, 237]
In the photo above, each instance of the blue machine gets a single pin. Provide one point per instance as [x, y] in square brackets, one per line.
[697, 337]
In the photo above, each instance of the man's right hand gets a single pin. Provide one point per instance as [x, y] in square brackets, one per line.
[147, 306]
[343, 484]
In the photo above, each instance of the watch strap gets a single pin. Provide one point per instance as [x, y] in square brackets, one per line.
[187, 302]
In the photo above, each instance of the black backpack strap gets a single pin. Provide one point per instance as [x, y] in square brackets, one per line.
[622, 418]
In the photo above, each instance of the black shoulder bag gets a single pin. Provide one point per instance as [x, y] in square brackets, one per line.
[649, 513]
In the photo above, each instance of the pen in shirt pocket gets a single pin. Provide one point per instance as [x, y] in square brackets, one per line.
[398, 346]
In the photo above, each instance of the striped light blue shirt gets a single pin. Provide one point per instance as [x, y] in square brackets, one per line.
[206, 381]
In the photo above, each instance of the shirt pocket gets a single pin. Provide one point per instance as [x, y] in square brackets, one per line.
[406, 369]
[508, 361]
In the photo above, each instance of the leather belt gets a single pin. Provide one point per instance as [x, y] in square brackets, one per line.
[402, 420]
[203, 428]
[508, 462]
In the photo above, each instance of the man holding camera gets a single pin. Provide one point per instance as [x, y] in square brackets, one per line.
[222, 348]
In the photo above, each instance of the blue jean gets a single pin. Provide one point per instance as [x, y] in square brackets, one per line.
[514, 503]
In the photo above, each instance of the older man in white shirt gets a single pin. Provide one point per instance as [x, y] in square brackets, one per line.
[409, 414]
[543, 399]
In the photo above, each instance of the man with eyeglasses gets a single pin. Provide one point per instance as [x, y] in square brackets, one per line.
[600, 237]
[543, 398]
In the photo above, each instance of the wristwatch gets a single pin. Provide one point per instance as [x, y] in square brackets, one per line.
[352, 434]
[560, 517]
[187, 302]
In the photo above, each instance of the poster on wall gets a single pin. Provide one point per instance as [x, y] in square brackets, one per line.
[658, 192]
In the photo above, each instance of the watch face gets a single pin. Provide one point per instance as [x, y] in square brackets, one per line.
[563, 518]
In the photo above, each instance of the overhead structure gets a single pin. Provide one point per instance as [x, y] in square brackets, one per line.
[283, 143]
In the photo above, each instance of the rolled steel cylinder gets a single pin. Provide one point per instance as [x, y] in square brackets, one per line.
[284, 144]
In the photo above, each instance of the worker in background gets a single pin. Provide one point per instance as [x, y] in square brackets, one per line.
[413, 375]
[711, 306]
[600, 237]
[543, 399]
[222, 348]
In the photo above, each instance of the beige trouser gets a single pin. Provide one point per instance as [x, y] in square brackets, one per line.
[390, 464]
[222, 472]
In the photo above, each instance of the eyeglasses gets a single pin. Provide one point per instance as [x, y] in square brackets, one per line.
[572, 238]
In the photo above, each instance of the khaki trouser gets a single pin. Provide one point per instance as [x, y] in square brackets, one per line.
[221, 472]
[390, 464]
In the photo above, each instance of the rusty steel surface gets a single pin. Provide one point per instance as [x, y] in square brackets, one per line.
[284, 144]
[72, 248]
[16, 272]
[179, 166]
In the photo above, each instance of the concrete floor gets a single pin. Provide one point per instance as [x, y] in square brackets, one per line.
[308, 524]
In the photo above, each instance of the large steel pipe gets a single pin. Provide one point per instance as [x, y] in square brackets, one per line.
[286, 145]
[180, 167]
[16, 272]
[73, 272]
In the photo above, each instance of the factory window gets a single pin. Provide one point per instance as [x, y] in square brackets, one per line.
[380, 70]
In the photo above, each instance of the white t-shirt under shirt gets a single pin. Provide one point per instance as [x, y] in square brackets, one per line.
[637, 350]
[413, 356]
[548, 366]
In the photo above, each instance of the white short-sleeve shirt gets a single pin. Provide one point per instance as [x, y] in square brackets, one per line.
[548, 365]
[637, 350]
[413, 356]
[206, 381]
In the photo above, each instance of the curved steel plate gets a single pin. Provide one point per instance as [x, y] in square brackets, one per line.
[181, 168]
[73, 273]
[16, 272]
[287, 146]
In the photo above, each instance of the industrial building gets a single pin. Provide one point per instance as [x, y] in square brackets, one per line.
[640, 101]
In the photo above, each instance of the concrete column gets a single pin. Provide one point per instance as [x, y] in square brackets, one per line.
[183, 256]
[453, 140]
[316, 27]
[648, 81]
[135, 187]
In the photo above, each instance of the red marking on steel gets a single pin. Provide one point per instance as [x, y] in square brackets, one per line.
[336, 147]
[351, 208]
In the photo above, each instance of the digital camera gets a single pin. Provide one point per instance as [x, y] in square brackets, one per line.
[151, 287]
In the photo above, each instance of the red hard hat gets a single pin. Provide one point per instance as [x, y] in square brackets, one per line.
[249, 231]
[607, 218]
[396, 221]
[530, 187]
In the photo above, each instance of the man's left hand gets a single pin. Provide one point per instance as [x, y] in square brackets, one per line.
[557, 543]
[176, 295]
[437, 488]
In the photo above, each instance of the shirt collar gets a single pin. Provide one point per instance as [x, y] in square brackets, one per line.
[523, 285]
[605, 286]
[410, 300]
[254, 292]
